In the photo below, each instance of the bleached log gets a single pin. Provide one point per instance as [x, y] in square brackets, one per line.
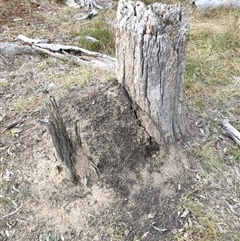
[229, 130]
[67, 52]
[213, 4]
[10, 49]
[151, 44]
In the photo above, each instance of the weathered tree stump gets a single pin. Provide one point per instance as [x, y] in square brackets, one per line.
[66, 147]
[151, 46]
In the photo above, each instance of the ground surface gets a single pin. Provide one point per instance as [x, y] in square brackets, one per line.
[142, 191]
[134, 180]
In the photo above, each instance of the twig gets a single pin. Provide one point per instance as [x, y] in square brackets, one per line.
[14, 124]
[22, 221]
[230, 206]
[12, 213]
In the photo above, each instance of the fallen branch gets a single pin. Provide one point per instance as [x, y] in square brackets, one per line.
[77, 54]
[18, 122]
[229, 130]
[214, 4]
[64, 52]
[10, 49]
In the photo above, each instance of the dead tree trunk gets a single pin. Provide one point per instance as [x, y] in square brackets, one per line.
[151, 46]
[66, 147]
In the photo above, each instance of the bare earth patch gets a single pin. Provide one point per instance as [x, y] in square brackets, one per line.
[136, 192]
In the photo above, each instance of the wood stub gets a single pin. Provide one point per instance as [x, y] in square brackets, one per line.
[151, 44]
[65, 146]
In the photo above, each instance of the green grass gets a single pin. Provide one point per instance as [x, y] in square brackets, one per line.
[5, 202]
[26, 104]
[100, 30]
[105, 37]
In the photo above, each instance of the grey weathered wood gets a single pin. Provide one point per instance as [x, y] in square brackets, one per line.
[151, 44]
[213, 4]
[66, 147]
[11, 49]
[64, 52]
[229, 130]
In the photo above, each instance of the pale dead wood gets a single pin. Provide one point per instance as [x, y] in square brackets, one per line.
[229, 130]
[151, 44]
[213, 4]
[64, 52]
[74, 53]
[10, 49]
[84, 3]
[32, 41]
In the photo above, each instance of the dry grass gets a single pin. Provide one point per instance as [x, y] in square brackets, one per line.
[213, 54]
[213, 87]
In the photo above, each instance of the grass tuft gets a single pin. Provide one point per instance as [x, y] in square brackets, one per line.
[209, 160]
[199, 226]
[99, 29]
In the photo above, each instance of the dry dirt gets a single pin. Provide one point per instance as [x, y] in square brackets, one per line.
[134, 180]
[138, 192]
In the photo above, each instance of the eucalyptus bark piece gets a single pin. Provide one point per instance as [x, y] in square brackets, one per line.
[65, 146]
[151, 44]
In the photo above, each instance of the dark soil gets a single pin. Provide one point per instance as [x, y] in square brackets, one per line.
[128, 160]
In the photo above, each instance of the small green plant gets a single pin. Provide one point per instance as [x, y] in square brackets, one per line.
[119, 227]
[5, 202]
[235, 153]
[13, 132]
[50, 236]
[200, 104]
[105, 41]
